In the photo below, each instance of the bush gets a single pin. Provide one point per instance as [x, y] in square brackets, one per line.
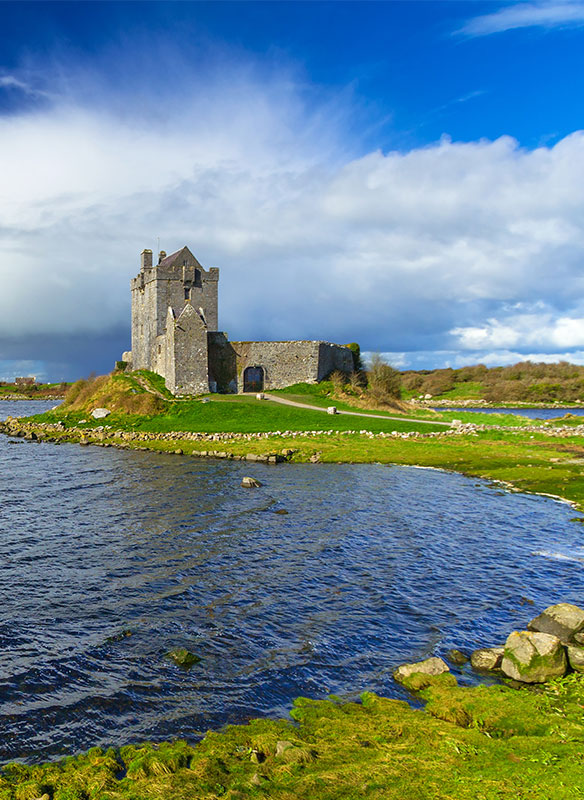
[383, 381]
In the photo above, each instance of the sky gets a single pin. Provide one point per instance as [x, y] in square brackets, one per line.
[407, 175]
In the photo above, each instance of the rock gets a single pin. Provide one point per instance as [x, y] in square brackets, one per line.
[430, 666]
[118, 637]
[332, 410]
[100, 413]
[487, 659]
[205, 400]
[562, 620]
[183, 657]
[282, 746]
[260, 396]
[280, 511]
[315, 459]
[84, 442]
[250, 483]
[576, 657]
[579, 637]
[532, 657]
[457, 657]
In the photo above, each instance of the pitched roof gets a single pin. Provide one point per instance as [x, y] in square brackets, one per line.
[180, 258]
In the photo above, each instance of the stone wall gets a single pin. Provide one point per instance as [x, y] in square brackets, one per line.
[285, 363]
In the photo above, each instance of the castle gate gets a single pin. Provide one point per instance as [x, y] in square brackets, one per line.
[253, 379]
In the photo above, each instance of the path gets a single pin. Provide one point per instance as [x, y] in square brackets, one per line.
[354, 413]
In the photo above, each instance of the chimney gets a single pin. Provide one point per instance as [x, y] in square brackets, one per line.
[161, 255]
[146, 259]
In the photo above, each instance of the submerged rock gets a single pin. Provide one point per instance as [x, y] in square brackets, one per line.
[457, 657]
[250, 483]
[562, 620]
[487, 659]
[183, 657]
[532, 657]
[430, 666]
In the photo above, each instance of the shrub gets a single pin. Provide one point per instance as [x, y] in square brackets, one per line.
[383, 381]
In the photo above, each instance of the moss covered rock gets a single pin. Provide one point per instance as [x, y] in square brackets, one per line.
[533, 657]
[430, 666]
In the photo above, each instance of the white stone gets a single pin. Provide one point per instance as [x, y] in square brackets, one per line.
[332, 410]
[100, 413]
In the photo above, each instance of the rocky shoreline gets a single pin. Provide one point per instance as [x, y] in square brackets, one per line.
[551, 647]
[106, 436]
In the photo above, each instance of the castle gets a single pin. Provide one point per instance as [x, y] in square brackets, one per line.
[174, 333]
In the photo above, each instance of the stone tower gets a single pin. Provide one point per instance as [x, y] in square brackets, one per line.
[174, 306]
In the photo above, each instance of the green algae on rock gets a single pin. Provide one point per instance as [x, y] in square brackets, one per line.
[182, 657]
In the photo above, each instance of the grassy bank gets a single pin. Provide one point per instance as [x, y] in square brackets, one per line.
[485, 743]
[543, 457]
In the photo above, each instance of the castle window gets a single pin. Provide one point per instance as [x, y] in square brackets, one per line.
[187, 293]
[198, 281]
[159, 349]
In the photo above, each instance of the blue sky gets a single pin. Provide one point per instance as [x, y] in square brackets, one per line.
[409, 175]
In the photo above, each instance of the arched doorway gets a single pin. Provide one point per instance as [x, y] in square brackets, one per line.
[253, 379]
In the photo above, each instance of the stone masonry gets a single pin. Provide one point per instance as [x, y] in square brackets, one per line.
[174, 333]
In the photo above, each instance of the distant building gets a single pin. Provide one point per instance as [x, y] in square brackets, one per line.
[25, 381]
[174, 333]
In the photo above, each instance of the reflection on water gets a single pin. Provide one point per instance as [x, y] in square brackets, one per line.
[372, 566]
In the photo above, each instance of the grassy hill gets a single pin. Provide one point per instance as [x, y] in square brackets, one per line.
[524, 382]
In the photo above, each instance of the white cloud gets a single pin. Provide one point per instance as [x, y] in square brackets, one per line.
[523, 331]
[424, 250]
[526, 15]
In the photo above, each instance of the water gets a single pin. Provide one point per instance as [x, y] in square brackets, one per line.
[532, 413]
[371, 567]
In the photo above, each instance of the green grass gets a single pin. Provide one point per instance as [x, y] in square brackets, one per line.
[485, 743]
[235, 414]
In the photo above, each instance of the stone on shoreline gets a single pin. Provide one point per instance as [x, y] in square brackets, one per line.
[532, 657]
[576, 657]
[562, 620]
[487, 659]
[430, 666]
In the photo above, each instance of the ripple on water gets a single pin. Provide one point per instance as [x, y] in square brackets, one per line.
[372, 566]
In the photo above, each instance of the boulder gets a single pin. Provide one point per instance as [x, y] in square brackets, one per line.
[430, 666]
[100, 413]
[332, 410]
[576, 657]
[487, 659]
[562, 620]
[250, 483]
[532, 657]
